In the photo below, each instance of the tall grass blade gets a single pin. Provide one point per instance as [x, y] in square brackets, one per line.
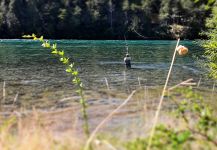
[87, 145]
[4, 92]
[161, 99]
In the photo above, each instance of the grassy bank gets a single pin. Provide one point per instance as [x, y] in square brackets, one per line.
[128, 129]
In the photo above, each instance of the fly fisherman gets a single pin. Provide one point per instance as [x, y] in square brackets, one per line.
[127, 61]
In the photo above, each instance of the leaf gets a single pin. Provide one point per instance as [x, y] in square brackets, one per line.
[54, 46]
[184, 102]
[41, 38]
[54, 52]
[81, 84]
[69, 70]
[33, 35]
[161, 127]
[183, 136]
[78, 91]
[46, 44]
[75, 81]
[65, 60]
[71, 65]
[61, 53]
[75, 73]
[208, 111]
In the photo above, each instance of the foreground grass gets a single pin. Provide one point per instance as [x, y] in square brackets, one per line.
[14, 135]
[192, 125]
[197, 125]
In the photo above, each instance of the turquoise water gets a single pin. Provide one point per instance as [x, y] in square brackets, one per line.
[28, 68]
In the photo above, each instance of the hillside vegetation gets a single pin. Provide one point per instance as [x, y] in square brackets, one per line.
[104, 19]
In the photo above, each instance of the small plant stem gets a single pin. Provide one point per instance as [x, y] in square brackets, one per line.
[4, 92]
[109, 145]
[107, 84]
[124, 77]
[139, 82]
[84, 113]
[87, 145]
[213, 89]
[15, 98]
[69, 69]
[183, 115]
[161, 100]
[204, 135]
[145, 102]
[198, 84]
[177, 85]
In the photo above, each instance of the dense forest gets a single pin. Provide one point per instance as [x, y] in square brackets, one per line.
[104, 19]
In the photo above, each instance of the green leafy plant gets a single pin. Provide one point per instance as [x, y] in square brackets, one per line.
[164, 138]
[205, 122]
[70, 69]
[210, 45]
[199, 128]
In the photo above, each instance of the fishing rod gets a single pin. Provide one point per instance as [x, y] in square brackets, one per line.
[126, 45]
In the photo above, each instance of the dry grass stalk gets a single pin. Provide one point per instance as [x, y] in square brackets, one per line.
[109, 145]
[125, 80]
[15, 98]
[198, 84]
[161, 99]
[106, 143]
[36, 137]
[139, 82]
[107, 84]
[87, 145]
[213, 89]
[4, 91]
[189, 84]
[145, 101]
[66, 99]
[186, 82]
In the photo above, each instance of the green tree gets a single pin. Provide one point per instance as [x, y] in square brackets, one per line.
[3, 24]
[103, 19]
[13, 22]
[210, 45]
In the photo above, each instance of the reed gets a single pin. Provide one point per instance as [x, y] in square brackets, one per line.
[124, 78]
[186, 82]
[107, 84]
[145, 100]
[213, 89]
[21, 133]
[106, 143]
[15, 98]
[106, 119]
[198, 84]
[4, 92]
[161, 98]
[139, 82]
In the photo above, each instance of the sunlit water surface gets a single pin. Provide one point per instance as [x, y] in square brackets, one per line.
[37, 76]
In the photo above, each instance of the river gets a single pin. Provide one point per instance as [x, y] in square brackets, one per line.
[31, 71]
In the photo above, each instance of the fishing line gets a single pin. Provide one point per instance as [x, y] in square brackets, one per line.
[126, 45]
[134, 30]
